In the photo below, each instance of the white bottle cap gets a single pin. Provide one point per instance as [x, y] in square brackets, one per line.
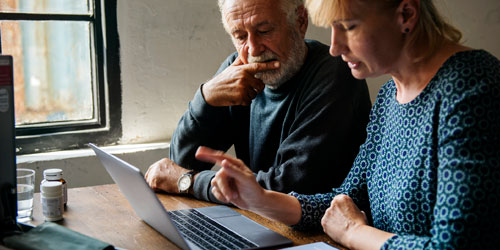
[52, 174]
[50, 187]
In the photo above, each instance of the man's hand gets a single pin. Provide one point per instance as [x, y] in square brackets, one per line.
[342, 219]
[163, 175]
[236, 85]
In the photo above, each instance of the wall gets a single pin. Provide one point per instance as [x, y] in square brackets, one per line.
[169, 48]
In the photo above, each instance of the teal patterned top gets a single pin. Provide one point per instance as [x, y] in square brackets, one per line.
[429, 170]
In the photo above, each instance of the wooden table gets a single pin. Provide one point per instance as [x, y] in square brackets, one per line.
[103, 212]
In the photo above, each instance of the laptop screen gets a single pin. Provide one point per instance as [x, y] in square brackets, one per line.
[8, 202]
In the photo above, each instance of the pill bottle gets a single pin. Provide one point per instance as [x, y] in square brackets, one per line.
[55, 174]
[52, 200]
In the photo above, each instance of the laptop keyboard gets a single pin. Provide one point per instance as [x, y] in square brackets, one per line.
[206, 233]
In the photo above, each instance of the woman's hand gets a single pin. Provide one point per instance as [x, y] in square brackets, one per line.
[234, 182]
[343, 219]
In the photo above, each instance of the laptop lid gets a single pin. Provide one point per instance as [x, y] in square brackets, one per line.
[148, 207]
[140, 196]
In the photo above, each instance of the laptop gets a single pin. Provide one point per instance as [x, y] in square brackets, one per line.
[216, 227]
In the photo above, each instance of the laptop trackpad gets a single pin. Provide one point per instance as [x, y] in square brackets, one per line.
[243, 225]
[217, 211]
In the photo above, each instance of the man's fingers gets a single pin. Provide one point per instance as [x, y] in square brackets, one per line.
[254, 68]
[259, 87]
[237, 62]
[256, 86]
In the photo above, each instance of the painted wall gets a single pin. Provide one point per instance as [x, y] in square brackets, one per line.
[168, 48]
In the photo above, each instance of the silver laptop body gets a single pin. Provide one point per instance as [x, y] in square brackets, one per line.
[147, 206]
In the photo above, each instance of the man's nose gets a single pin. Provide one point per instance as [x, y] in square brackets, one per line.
[255, 46]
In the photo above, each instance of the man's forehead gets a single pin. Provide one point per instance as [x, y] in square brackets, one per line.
[246, 4]
[251, 12]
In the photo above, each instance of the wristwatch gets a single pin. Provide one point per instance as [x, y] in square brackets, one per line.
[185, 182]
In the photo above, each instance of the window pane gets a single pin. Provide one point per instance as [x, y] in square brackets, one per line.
[52, 70]
[46, 6]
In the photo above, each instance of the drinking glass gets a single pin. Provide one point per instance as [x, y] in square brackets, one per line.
[25, 190]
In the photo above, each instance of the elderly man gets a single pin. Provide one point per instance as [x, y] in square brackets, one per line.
[294, 114]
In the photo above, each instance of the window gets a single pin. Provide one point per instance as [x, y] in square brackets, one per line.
[66, 72]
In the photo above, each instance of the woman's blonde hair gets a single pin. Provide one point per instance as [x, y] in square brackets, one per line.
[428, 35]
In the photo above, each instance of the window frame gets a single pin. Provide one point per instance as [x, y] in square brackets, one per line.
[107, 128]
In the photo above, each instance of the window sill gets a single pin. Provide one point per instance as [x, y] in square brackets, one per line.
[81, 167]
[69, 154]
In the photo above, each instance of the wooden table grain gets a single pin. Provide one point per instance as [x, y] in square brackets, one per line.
[103, 212]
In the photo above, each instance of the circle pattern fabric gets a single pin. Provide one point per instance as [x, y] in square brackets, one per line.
[429, 170]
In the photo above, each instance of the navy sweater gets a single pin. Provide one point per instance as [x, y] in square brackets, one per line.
[302, 136]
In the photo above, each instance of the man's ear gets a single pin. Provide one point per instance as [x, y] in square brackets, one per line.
[408, 15]
[302, 20]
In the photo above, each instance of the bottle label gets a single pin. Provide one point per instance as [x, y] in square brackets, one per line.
[64, 188]
[52, 206]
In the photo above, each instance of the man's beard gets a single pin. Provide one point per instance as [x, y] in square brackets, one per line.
[289, 66]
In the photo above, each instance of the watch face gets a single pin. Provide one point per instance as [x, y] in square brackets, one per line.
[184, 183]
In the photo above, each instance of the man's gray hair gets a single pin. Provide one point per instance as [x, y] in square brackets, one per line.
[289, 7]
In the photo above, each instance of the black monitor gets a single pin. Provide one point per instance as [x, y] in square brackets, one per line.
[8, 200]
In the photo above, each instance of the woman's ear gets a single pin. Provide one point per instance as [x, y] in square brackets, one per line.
[408, 15]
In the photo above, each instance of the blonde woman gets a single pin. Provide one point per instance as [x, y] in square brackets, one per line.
[428, 174]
